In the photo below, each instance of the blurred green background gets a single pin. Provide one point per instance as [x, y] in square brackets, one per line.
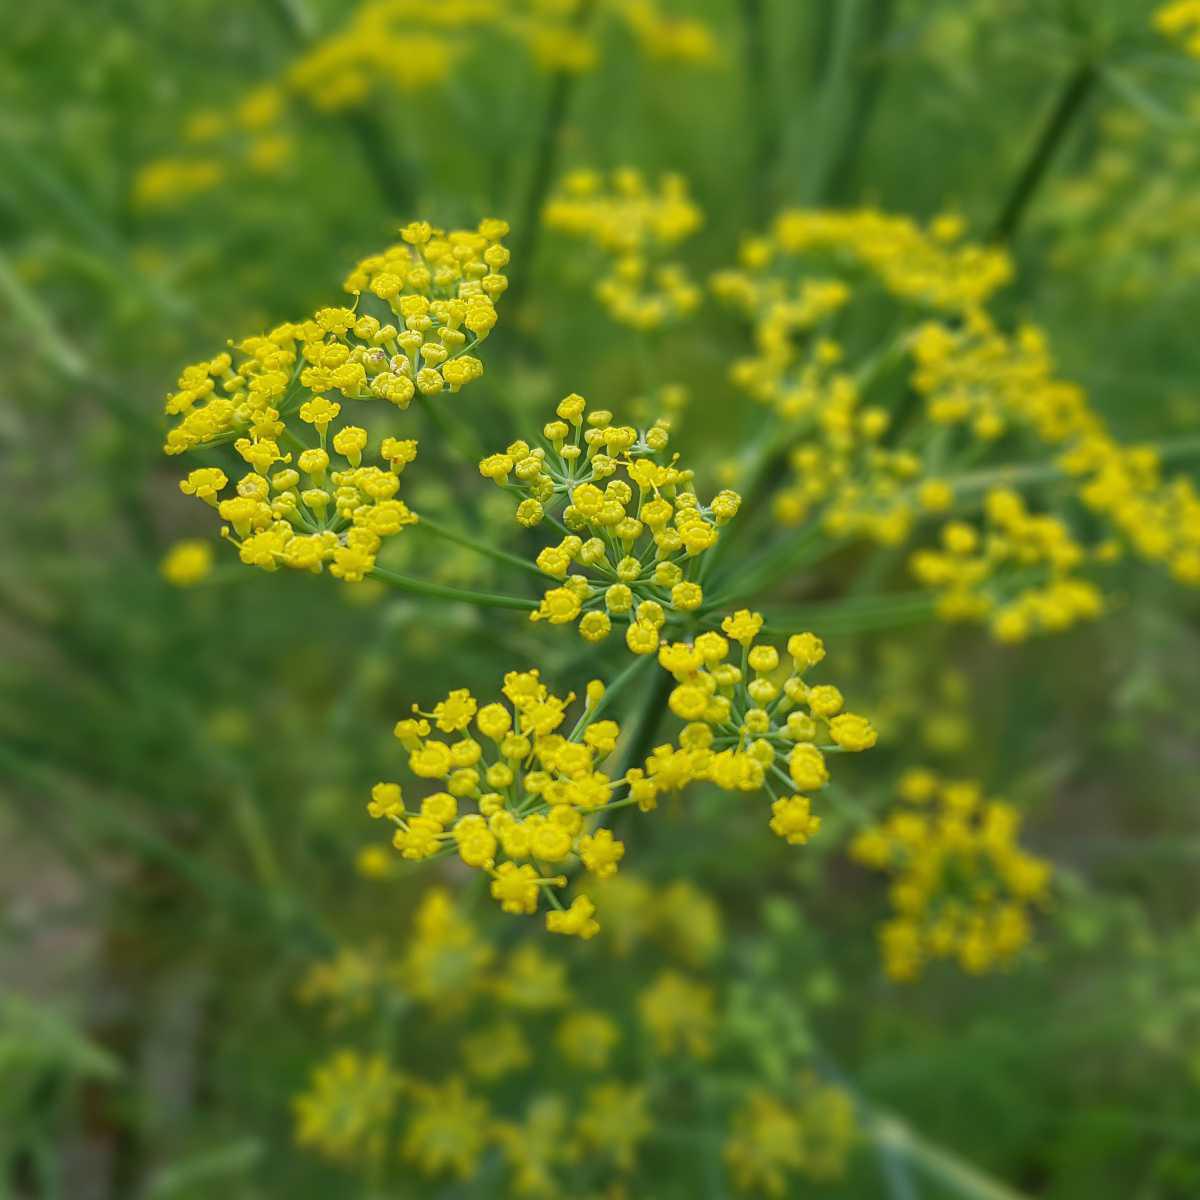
[183, 770]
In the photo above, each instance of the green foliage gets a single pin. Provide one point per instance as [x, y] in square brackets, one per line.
[183, 772]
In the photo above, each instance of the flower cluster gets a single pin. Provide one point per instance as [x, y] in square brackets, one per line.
[962, 885]
[521, 1058]
[499, 1019]
[746, 721]
[851, 469]
[405, 47]
[665, 38]
[402, 46]
[1157, 518]
[796, 361]
[976, 379]
[345, 1111]
[537, 795]
[635, 227]
[810, 1133]
[679, 919]
[559, 37]
[1020, 577]
[247, 139]
[435, 294]
[1131, 238]
[304, 518]
[866, 463]
[680, 1014]
[439, 292]
[629, 518]
[930, 266]
[386, 46]
[843, 472]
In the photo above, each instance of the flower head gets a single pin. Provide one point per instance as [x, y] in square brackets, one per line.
[637, 532]
[962, 886]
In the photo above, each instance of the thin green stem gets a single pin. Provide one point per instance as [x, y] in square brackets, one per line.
[759, 113]
[1075, 91]
[546, 154]
[848, 617]
[832, 106]
[965, 1179]
[648, 720]
[611, 693]
[456, 434]
[249, 822]
[493, 552]
[438, 591]
[872, 71]
[394, 175]
[1013, 476]
[34, 315]
[295, 18]
[776, 563]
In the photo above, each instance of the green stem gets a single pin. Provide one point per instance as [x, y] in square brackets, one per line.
[546, 154]
[820, 36]
[648, 720]
[294, 17]
[890, 1133]
[848, 617]
[493, 552]
[1014, 476]
[30, 312]
[456, 434]
[611, 693]
[421, 587]
[832, 106]
[394, 176]
[759, 114]
[259, 847]
[839, 180]
[1075, 91]
[774, 564]
[756, 473]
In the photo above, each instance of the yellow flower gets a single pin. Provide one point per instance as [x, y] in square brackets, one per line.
[633, 228]
[852, 732]
[345, 1112]
[498, 1050]
[576, 921]
[586, 1038]
[737, 729]
[614, 1122]
[771, 1140]
[962, 886]
[188, 563]
[793, 821]
[635, 527]
[678, 1013]
[448, 1130]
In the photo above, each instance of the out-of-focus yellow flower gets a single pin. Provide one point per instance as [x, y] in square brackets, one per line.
[772, 1139]
[679, 1014]
[634, 227]
[962, 886]
[188, 563]
[344, 1113]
